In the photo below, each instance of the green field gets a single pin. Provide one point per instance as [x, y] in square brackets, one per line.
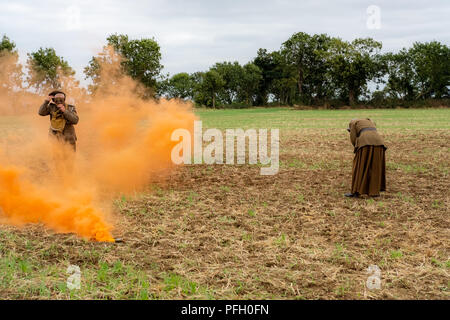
[286, 118]
[225, 232]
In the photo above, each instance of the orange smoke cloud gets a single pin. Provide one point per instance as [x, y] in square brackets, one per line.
[123, 142]
[23, 202]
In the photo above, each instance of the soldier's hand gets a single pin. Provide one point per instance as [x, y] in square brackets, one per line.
[61, 107]
[49, 98]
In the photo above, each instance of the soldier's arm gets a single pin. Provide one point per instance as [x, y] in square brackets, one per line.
[44, 109]
[71, 115]
[353, 134]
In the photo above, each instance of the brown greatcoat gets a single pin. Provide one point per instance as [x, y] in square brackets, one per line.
[369, 167]
[71, 116]
[366, 138]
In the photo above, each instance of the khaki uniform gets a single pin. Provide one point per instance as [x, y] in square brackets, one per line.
[369, 163]
[360, 137]
[70, 117]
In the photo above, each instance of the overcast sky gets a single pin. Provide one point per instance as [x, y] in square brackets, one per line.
[195, 34]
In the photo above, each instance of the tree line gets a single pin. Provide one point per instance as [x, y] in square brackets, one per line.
[306, 70]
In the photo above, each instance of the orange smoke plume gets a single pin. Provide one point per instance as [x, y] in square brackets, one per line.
[123, 142]
[22, 202]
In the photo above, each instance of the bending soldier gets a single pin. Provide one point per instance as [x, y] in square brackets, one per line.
[369, 164]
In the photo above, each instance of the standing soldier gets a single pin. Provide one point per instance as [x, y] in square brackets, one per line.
[63, 117]
[369, 164]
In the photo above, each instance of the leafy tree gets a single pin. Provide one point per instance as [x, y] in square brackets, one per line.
[7, 45]
[264, 61]
[317, 83]
[93, 71]
[308, 55]
[302, 59]
[353, 65]
[249, 82]
[284, 84]
[284, 90]
[312, 69]
[10, 68]
[432, 69]
[199, 95]
[142, 58]
[232, 74]
[399, 69]
[141, 61]
[273, 68]
[180, 86]
[47, 70]
[211, 84]
[297, 51]
[104, 70]
[379, 98]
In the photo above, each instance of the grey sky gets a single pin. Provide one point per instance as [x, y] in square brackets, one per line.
[195, 34]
